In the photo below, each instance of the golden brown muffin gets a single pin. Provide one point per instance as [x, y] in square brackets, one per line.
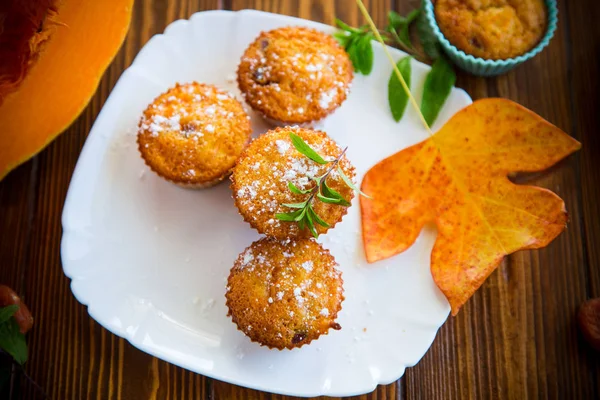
[284, 294]
[295, 75]
[261, 177]
[193, 134]
[492, 29]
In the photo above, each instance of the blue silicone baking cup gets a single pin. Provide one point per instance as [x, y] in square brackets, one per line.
[482, 67]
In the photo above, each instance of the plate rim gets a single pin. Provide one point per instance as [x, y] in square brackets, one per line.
[67, 232]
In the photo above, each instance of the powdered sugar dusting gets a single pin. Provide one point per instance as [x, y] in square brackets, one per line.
[265, 177]
[308, 266]
[266, 66]
[326, 98]
[247, 258]
[282, 146]
[191, 110]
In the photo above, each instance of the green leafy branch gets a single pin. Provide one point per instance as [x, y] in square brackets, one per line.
[358, 44]
[12, 341]
[304, 213]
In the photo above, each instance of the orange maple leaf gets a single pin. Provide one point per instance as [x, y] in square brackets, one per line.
[458, 178]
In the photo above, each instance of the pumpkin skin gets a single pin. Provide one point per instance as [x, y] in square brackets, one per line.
[46, 88]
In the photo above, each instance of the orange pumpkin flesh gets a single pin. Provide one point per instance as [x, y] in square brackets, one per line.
[63, 69]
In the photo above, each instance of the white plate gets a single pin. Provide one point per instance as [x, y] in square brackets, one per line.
[150, 259]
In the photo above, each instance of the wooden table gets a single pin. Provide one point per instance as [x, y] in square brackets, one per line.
[516, 338]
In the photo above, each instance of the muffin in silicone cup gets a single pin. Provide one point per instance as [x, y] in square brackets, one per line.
[294, 75]
[284, 294]
[193, 134]
[489, 41]
[261, 181]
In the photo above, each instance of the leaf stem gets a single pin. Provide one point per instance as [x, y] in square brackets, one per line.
[323, 178]
[375, 31]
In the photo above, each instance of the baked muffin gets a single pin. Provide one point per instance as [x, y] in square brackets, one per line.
[295, 75]
[261, 179]
[284, 294]
[492, 29]
[193, 134]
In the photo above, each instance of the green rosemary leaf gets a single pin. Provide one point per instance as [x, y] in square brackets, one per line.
[294, 189]
[343, 38]
[365, 50]
[399, 26]
[404, 33]
[438, 84]
[311, 225]
[395, 20]
[330, 200]
[397, 97]
[354, 52]
[302, 215]
[301, 224]
[413, 15]
[333, 196]
[316, 218]
[289, 217]
[7, 312]
[295, 205]
[13, 341]
[351, 184]
[305, 149]
[344, 26]
[430, 44]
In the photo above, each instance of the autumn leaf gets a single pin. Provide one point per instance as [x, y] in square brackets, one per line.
[458, 179]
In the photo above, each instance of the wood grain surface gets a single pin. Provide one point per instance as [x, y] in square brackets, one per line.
[516, 338]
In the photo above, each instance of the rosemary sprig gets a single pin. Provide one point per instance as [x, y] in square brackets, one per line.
[440, 80]
[357, 41]
[304, 213]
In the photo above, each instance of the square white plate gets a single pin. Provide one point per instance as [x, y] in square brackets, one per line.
[150, 259]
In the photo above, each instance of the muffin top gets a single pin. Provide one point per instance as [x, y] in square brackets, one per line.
[284, 294]
[492, 29]
[193, 133]
[295, 75]
[261, 178]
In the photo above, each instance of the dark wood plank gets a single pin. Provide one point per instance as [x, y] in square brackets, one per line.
[72, 357]
[517, 336]
[584, 35]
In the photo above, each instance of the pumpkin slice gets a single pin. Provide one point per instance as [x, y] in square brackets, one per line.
[56, 61]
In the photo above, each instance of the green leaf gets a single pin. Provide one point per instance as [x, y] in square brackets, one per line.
[290, 217]
[365, 49]
[351, 184]
[399, 26]
[331, 194]
[301, 216]
[295, 205]
[13, 341]
[7, 312]
[397, 97]
[294, 189]
[301, 224]
[404, 36]
[343, 38]
[395, 20]
[329, 200]
[317, 219]
[354, 52]
[344, 26]
[305, 149]
[311, 225]
[438, 84]
[430, 44]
